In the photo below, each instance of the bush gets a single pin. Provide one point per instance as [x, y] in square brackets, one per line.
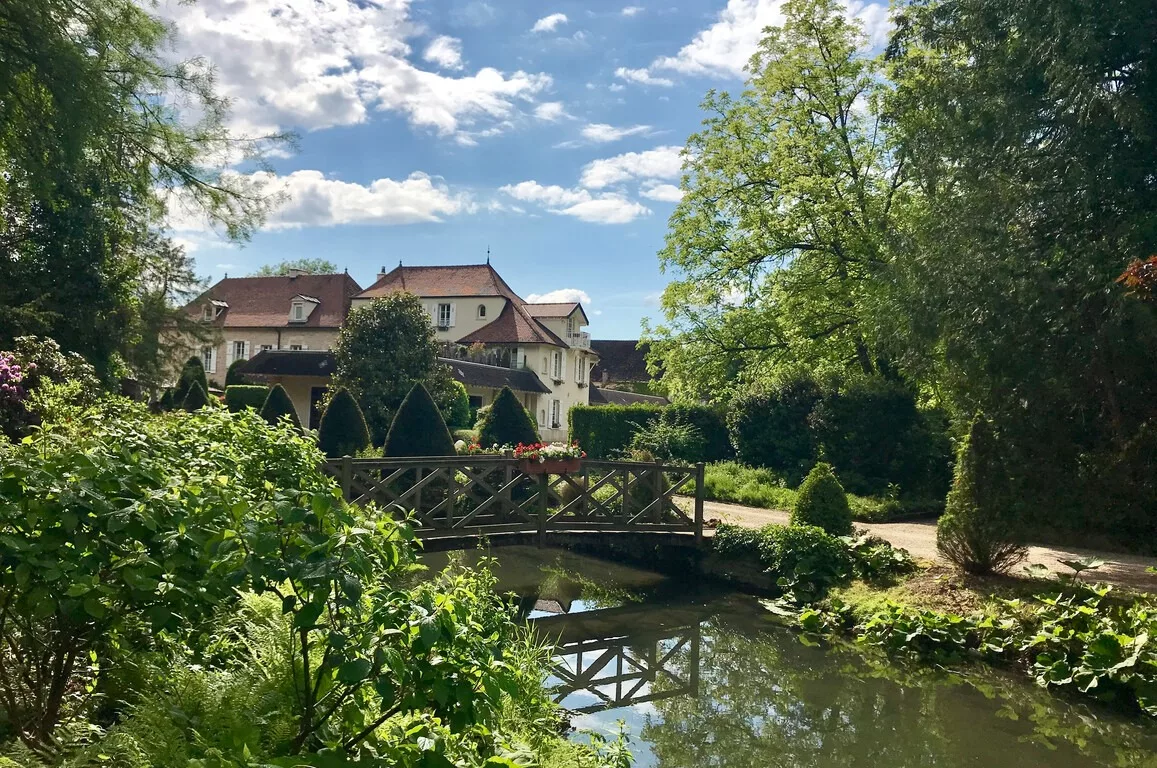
[233, 376]
[664, 440]
[456, 411]
[238, 397]
[979, 531]
[805, 560]
[195, 399]
[507, 422]
[192, 373]
[769, 427]
[821, 501]
[468, 436]
[343, 430]
[38, 383]
[732, 482]
[605, 431]
[277, 405]
[418, 428]
[711, 425]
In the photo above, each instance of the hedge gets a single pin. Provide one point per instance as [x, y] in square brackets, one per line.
[604, 431]
[418, 428]
[238, 397]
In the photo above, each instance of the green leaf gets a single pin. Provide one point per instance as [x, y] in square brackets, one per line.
[354, 671]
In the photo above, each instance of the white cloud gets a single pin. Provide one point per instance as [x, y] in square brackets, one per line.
[549, 23]
[631, 10]
[550, 111]
[601, 133]
[445, 51]
[606, 208]
[560, 296]
[642, 76]
[658, 163]
[666, 193]
[313, 65]
[226, 266]
[875, 20]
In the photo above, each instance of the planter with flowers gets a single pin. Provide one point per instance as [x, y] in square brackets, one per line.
[549, 459]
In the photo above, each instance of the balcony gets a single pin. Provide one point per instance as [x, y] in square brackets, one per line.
[579, 340]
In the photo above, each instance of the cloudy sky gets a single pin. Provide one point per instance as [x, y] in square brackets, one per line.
[431, 130]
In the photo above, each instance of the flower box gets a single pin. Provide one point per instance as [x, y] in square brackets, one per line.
[550, 466]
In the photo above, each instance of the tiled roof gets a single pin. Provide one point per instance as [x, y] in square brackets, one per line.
[600, 396]
[620, 360]
[280, 362]
[263, 302]
[513, 326]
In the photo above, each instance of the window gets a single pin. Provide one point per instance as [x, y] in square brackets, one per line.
[240, 350]
[558, 365]
[266, 346]
[475, 402]
[296, 347]
[207, 312]
[481, 311]
[209, 358]
[444, 315]
[298, 312]
[570, 326]
[555, 412]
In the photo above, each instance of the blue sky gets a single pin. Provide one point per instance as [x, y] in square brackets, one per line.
[431, 130]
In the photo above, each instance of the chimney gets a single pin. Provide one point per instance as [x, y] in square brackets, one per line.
[297, 273]
[382, 272]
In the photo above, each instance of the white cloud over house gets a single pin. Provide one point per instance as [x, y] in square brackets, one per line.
[561, 296]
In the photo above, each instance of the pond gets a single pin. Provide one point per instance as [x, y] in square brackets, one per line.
[705, 677]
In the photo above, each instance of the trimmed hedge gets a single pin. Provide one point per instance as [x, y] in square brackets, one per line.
[233, 376]
[418, 428]
[605, 431]
[238, 397]
[278, 404]
[507, 422]
[343, 430]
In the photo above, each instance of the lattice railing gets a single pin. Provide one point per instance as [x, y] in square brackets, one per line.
[491, 494]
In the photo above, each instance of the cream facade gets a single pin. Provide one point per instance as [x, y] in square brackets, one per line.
[244, 343]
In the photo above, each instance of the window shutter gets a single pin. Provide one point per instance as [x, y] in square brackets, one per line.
[212, 359]
[453, 314]
[246, 350]
[228, 353]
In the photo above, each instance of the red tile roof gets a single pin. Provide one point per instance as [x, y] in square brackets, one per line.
[264, 302]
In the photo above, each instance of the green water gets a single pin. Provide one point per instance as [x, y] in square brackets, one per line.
[704, 677]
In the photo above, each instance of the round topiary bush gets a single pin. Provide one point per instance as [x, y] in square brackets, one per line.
[278, 405]
[978, 531]
[418, 428]
[195, 399]
[821, 501]
[507, 422]
[343, 430]
[233, 376]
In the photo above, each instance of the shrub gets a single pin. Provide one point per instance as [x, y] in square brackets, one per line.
[468, 436]
[418, 428]
[233, 376]
[507, 422]
[238, 397]
[195, 399]
[821, 501]
[979, 532]
[711, 425]
[805, 560]
[165, 401]
[769, 427]
[665, 440]
[732, 482]
[277, 405]
[605, 431]
[193, 372]
[36, 378]
[456, 411]
[343, 430]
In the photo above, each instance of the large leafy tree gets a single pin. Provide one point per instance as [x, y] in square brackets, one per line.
[313, 266]
[99, 135]
[785, 219]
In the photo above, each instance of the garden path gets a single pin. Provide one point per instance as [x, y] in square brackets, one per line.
[919, 538]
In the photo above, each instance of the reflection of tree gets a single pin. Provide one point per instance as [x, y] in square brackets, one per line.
[765, 699]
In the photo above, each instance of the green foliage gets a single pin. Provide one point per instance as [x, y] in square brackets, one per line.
[238, 397]
[876, 560]
[738, 484]
[769, 426]
[195, 398]
[979, 531]
[606, 430]
[233, 376]
[342, 431]
[508, 422]
[193, 372]
[805, 560]
[665, 440]
[418, 429]
[314, 266]
[468, 436]
[821, 502]
[55, 386]
[456, 412]
[278, 406]
[382, 351]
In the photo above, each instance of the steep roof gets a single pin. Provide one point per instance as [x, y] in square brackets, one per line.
[556, 309]
[600, 396]
[515, 324]
[621, 360]
[262, 302]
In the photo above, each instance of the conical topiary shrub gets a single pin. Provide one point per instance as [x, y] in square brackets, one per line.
[506, 423]
[821, 501]
[196, 399]
[234, 376]
[165, 402]
[418, 428]
[978, 531]
[343, 430]
[193, 372]
[277, 405]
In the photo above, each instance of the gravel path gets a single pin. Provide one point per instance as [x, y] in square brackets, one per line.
[919, 538]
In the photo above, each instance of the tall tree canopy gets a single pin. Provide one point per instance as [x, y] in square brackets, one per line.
[312, 266]
[789, 193]
[99, 135]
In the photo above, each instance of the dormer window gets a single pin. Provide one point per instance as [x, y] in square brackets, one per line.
[207, 313]
[297, 313]
[212, 310]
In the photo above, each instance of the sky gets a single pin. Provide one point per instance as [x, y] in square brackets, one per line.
[433, 131]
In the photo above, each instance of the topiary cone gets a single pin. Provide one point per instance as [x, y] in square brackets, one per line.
[507, 422]
[196, 399]
[821, 501]
[278, 405]
[343, 430]
[418, 428]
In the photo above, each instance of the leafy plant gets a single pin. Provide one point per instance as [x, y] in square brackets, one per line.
[821, 501]
[1082, 564]
[769, 426]
[805, 560]
[667, 440]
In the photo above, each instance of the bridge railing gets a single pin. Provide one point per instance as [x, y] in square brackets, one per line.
[459, 495]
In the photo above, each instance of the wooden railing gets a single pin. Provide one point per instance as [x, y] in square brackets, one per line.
[459, 495]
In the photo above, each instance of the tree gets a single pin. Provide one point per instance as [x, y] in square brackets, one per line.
[418, 428]
[821, 501]
[343, 430]
[383, 350]
[100, 131]
[979, 531]
[769, 426]
[312, 266]
[507, 422]
[455, 404]
[192, 373]
[195, 399]
[786, 215]
[278, 405]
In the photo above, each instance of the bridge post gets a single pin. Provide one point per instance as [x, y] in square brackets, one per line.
[543, 500]
[700, 472]
[347, 476]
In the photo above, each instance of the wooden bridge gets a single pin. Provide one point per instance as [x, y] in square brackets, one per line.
[456, 496]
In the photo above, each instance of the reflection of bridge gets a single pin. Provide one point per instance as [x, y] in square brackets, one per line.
[618, 654]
